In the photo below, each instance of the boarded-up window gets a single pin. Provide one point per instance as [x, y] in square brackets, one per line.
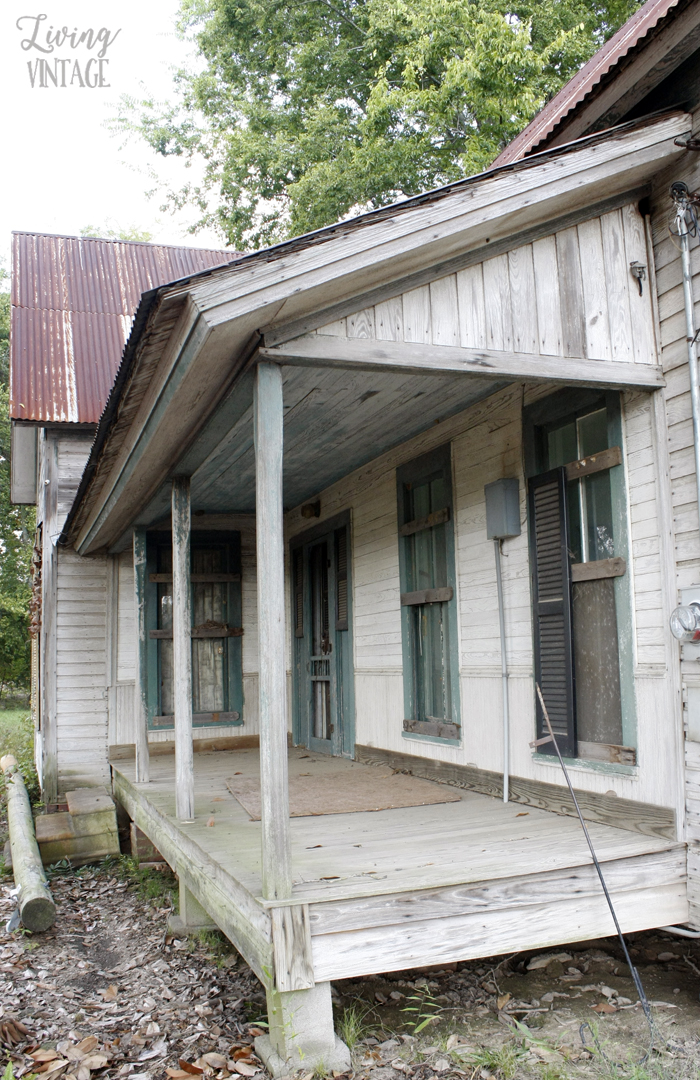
[574, 557]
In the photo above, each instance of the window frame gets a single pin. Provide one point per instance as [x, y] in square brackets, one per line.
[234, 645]
[564, 406]
[414, 471]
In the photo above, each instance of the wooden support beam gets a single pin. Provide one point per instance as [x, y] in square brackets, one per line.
[276, 846]
[182, 650]
[320, 350]
[141, 672]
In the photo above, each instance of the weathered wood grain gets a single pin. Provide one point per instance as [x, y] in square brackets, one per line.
[608, 810]
[276, 850]
[316, 350]
[291, 940]
[182, 649]
[141, 667]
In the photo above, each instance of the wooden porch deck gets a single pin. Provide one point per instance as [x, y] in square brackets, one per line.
[389, 889]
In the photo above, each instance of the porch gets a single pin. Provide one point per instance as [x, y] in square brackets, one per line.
[396, 888]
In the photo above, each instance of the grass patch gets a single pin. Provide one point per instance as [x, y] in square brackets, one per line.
[17, 738]
[352, 1025]
[158, 887]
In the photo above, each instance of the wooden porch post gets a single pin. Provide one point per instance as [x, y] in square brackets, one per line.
[140, 689]
[276, 850]
[182, 650]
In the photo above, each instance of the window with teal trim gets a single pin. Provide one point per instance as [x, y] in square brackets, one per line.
[428, 603]
[217, 696]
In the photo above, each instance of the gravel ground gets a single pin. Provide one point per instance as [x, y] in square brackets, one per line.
[107, 992]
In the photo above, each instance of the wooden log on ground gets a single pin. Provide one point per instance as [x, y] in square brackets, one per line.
[36, 906]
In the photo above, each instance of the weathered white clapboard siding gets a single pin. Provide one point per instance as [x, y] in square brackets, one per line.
[81, 706]
[683, 490]
[73, 451]
[486, 444]
[568, 294]
[74, 707]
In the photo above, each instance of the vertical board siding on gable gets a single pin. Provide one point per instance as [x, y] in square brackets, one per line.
[568, 294]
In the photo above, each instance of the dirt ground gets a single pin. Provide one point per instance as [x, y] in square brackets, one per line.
[108, 992]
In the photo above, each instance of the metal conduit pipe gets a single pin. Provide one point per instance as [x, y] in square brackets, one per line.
[679, 931]
[504, 673]
[684, 236]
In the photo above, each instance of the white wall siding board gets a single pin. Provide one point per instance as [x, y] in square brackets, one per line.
[568, 294]
[684, 534]
[81, 666]
[126, 629]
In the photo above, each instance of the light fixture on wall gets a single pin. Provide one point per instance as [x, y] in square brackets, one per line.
[311, 510]
[685, 622]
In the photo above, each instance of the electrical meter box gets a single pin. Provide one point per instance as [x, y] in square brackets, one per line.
[502, 508]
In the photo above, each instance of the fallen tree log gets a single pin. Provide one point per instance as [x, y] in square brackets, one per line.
[36, 906]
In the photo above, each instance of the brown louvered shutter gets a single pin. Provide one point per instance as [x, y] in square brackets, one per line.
[341, 579]
[298, 583]
[552, 615]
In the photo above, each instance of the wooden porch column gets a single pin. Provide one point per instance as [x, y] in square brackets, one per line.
[140, 675]
[276, 850]
[182, 650]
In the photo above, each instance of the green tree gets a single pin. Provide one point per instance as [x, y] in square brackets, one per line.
[17, 526]
[302, 111]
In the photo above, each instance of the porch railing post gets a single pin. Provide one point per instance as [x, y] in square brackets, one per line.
[276, 847]
[140, 684]
[182, 650]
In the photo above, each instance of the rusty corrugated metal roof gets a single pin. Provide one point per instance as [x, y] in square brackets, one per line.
[589, 76]
[73, 302]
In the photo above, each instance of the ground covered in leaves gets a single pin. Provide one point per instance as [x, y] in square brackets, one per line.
[108, 992]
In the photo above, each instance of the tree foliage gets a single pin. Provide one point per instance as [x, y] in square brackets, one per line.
[115, 231]
[304, 110]
[17, 525]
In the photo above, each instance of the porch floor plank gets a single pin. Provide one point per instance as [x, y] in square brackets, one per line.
[344, 856]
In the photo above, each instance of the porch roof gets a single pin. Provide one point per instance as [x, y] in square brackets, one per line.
[182, 402]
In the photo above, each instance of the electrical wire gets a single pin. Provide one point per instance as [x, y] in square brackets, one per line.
[635, 974]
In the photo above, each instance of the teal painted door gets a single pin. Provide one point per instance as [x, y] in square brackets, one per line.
[323, 660]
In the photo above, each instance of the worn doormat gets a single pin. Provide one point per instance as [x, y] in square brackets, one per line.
[345, 791]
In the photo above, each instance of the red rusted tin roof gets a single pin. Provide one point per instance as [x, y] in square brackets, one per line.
[73, 301]
[589, 76]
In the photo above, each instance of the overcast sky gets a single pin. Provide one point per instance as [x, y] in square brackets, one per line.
[61, 168]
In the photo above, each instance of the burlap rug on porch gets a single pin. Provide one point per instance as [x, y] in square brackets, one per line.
[349, 789]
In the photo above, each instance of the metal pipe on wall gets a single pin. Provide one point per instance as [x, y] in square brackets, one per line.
[504, 673]
[691, 339]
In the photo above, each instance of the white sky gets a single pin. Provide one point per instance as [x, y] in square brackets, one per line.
[61, 169]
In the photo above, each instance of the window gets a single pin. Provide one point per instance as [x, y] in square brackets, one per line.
[578, 564]
[428, 605]
[217, 696]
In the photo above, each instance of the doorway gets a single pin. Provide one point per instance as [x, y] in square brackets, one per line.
[323, 682]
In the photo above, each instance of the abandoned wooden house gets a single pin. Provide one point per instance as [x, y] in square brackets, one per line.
[347, 502]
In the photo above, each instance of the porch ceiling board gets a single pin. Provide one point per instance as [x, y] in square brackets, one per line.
[335, 421]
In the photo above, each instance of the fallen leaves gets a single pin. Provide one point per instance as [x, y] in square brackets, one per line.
[604, 1007]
